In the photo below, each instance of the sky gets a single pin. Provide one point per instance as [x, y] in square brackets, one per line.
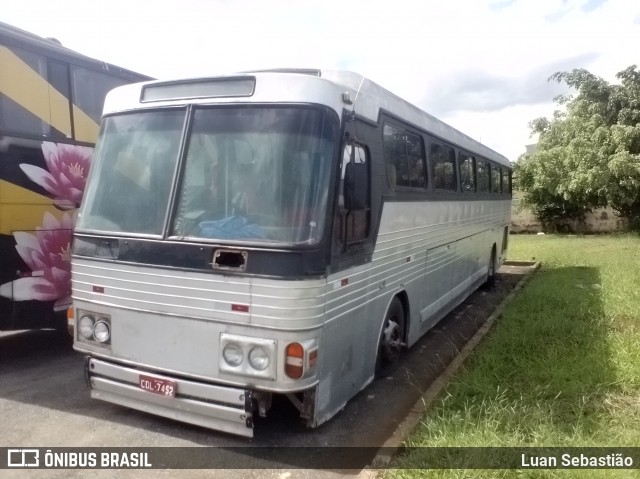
[480, 65]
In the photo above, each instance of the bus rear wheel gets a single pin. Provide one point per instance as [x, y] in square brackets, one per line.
[491, 271]
[391, 339]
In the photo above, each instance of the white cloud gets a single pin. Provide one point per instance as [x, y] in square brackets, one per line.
[423, 51]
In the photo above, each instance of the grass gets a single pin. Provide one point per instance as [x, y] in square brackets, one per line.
[561, 367]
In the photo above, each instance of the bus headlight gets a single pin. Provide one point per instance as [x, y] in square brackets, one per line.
[85, 326]
[247, 356]
[233, 355]
[258, 358]
[102, 332]
[93, 328]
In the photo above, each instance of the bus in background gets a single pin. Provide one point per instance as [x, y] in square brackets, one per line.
[51, 101]
[277, 232]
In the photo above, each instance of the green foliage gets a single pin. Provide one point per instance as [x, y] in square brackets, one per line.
[589, 154]
[561, 366]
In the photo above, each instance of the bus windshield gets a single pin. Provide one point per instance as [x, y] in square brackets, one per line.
[130, 181]
[249, 173]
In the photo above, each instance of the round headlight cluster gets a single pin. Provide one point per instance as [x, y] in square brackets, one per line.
[90, 329]
[258, 357]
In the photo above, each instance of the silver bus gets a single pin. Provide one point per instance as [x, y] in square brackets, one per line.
[282, 232]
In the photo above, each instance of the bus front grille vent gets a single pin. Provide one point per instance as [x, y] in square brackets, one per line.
[229, 260]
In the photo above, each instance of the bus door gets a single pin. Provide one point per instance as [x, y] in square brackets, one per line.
[348, 330]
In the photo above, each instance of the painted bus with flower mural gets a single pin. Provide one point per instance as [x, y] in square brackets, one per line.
[51, 101]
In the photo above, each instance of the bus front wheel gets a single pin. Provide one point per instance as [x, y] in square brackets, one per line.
[391, 339]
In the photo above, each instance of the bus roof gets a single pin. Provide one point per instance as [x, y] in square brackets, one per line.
[338, 89]
[16, 37]
[377, 98]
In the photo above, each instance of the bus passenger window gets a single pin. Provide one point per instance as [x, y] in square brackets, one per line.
[496, 179]
[14, 117]
[415, 156]
[484, 180]
[506, 183]
[90, 88]
[444, 173]
[404, 157]
[467, 173]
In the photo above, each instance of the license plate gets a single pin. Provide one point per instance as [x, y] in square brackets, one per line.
[164, 387]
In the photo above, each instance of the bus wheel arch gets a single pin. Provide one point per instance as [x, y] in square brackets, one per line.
[393, 334]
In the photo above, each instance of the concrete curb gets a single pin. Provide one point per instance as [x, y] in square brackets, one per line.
[434, 391]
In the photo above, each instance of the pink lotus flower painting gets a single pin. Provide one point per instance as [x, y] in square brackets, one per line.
[68, 167]
[47, 253]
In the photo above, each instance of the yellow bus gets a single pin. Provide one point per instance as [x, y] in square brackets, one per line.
[51, 100]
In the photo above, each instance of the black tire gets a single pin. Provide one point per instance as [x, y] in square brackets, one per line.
[391, 339]
[491, 272]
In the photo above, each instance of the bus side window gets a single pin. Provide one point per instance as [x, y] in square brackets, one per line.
[484, 180]
[404, 158]
[356, 186]
[506, 181]
[467, 173]
[496, 178]
[89, 91]
[58, 76]
[444, 171]
[354, 202]
[14, 117]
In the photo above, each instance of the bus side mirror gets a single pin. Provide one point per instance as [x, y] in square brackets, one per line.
[356, 186]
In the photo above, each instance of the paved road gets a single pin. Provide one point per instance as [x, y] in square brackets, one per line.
[44, 403]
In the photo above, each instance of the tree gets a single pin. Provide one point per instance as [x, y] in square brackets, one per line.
[589, 153]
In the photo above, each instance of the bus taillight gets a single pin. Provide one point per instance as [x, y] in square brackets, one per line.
[294, 361]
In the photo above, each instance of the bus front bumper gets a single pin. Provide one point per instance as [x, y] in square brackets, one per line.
[215, 407]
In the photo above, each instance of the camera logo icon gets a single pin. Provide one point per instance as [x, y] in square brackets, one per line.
[23, 458]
